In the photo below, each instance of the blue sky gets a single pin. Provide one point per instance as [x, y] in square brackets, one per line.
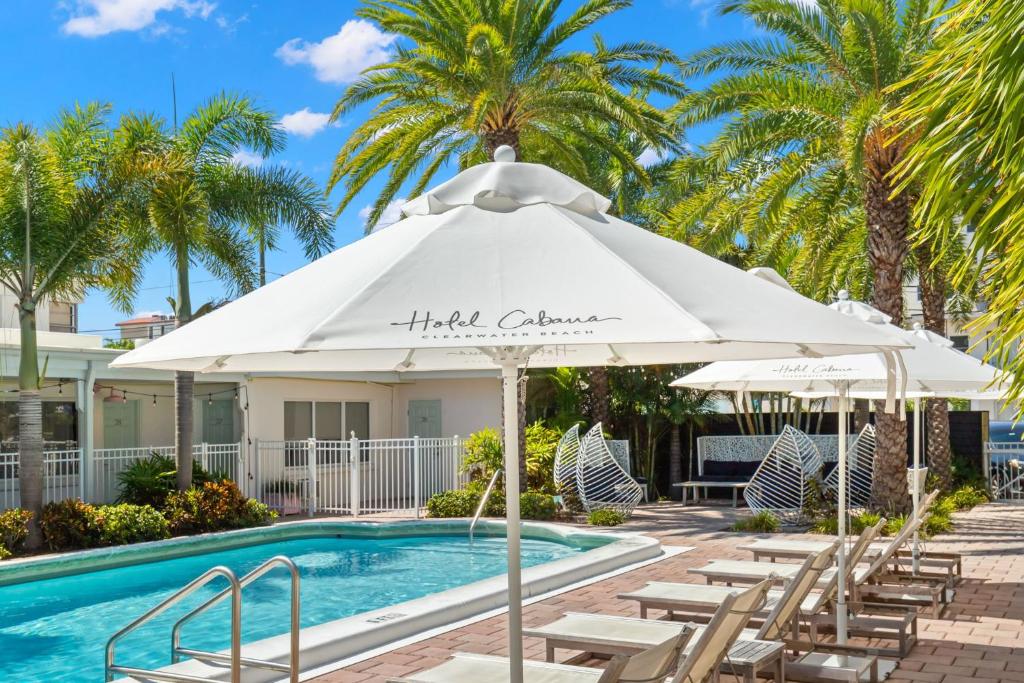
[294, 57]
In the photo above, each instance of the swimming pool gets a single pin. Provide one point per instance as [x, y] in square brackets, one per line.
[55, 629]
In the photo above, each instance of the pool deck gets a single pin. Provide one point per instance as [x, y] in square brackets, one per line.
[980, 638]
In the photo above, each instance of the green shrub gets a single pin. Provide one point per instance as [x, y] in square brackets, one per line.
[127, 523]
[536, 505]
[453, 503]
[482, 454]
[858, 523]
[541, 445]
[13, 529]
[893, 525]
[761, 523]
[149, 481]
[4, 553]
[606, 517]
[215, 506]
[70, 524]
[936, 524]
[255, 513]
[966, 497]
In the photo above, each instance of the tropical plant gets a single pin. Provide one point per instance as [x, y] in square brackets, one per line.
[127, 523]
[148, 481]
[802, 168]
[966, 161]
[199, 201]
[471, 75]
[13, 529]
[692, 409]
[606, 517]
[760, 523]
[58, 238]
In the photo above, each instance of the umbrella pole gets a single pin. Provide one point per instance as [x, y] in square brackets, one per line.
[510, 379]
[841, 615]
[915, 495]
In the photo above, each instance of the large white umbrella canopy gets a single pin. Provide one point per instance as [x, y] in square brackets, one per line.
[505, 265]
[931, 367]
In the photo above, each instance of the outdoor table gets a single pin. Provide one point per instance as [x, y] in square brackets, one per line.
[696, 485]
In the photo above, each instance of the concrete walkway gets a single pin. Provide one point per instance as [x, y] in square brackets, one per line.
[980, 637]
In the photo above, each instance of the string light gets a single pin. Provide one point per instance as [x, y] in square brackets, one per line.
[154, 400]
[209, 400]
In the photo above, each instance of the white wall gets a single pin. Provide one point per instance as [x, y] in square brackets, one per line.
[467, 405]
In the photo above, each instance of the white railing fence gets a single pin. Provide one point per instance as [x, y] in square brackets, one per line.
[62, 477]
[356, 476]
[1004, 470]
[66, 476]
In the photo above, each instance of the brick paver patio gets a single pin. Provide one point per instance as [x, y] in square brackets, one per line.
[980, 638]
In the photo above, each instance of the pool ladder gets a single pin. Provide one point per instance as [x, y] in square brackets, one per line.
[483, 503]
[234, 659]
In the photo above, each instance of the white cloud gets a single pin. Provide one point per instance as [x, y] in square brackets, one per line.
[94, 18]
[649, 157]
[391, 215]
[340, 58]
[244, 157]
[304, 123]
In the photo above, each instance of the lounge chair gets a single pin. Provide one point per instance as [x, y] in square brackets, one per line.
[689, 601]
[756, 651]
[655, 664]
[932, 565]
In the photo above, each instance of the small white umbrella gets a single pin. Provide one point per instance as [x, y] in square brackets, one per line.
[930, 365]
[505, 265]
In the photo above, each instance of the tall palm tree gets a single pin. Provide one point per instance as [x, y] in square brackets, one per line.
[315, 237]
[471, 75]
[966, 161]
[809, 141]
[197, 205]
[58, 238]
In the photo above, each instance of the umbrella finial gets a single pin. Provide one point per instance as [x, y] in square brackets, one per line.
[504, 153]
[918, 327]
[843, 295]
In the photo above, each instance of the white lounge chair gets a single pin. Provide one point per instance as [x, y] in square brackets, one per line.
[781, 484]
[756, 651]
[601, 481]
[687, 600]
[933, 565]
[653, 665]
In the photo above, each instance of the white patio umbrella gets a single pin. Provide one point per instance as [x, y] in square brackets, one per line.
[930, 365]
[504, 266]
[988, 385]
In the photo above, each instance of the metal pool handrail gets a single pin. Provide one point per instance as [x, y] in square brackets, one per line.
[292, 668]
[235, 590]
[483, 502]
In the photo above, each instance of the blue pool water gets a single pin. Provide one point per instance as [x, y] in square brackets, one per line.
[56, 629]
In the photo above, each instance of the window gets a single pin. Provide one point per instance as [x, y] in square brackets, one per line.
[325, 421]
[63, 317]
[960, 342]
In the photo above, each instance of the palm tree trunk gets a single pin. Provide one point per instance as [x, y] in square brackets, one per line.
[183, 384]
[600, 396]
[496, 137]
[888, 221]
[861, 413]
[263, 261]
[933, 304]
[675, 456]
[30, 423]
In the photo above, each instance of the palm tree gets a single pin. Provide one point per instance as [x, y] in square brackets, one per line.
[198, 198]
[315, 237]
[472, 75]
[803, 166]
[966, 165]
[58, 238]
[690, 408]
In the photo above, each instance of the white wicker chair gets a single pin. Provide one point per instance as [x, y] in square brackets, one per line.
[565, 462]
[601, 481]
[860, 464]
[782, 483]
